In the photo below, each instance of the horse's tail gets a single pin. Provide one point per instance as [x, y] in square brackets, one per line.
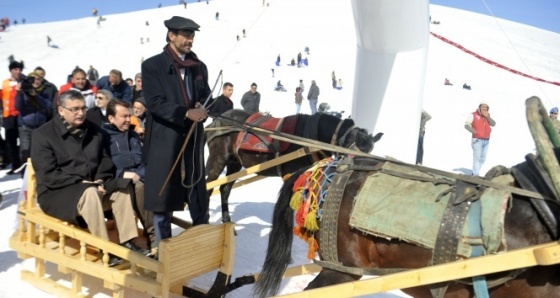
[279, 251]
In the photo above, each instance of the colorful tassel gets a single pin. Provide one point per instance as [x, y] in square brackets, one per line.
[295, 201]
[311, 221]
[313, 247]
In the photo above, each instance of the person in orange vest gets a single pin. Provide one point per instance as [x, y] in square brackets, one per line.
[10, 87]
[480, 124]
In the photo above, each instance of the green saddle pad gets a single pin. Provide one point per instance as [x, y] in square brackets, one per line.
[406, 209]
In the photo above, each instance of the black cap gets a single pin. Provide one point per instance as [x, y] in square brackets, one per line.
[15, 64]
[180, 23]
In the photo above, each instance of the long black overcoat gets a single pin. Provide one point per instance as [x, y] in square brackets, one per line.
[62, 161]
[166, 130]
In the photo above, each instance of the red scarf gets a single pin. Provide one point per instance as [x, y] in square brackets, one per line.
[191, 61]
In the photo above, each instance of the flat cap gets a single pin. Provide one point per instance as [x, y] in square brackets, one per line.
[180, 23]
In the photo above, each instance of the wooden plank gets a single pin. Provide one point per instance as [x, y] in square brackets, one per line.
[515, 259]
[242, 182]
[260, 167]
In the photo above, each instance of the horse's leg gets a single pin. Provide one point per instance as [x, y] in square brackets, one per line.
[328, 277]
[217, 161]
[225, 189]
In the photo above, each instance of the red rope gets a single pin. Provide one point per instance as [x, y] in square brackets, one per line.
[462, 48]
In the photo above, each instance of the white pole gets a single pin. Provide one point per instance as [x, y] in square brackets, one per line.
[392, 48]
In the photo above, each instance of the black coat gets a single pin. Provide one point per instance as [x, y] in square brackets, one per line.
[166, 129]
[221, 104]
[62, 161]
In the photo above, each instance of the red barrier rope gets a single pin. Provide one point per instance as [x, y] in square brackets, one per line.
[462, 48]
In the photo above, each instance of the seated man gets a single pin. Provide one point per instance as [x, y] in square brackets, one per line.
[125, 147]
[75, 174]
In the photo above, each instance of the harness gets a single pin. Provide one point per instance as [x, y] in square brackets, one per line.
[464, 197]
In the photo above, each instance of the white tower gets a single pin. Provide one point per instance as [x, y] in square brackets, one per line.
[392, 49]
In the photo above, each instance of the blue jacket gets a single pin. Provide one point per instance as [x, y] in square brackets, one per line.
[33, 112]
[121, 91]
[125, 148]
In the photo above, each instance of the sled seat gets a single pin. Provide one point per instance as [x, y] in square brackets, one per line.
[77, 253]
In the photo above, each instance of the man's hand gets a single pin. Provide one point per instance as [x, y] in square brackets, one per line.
[198, 114]
[485, 113]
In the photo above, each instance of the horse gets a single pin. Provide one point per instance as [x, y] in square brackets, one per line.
[523, 227]
[222, 152]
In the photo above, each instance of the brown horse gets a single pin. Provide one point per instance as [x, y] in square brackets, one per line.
[523, 226]
[321, 127]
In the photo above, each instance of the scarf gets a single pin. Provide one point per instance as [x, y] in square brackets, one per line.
[191, 61]
[77, 132]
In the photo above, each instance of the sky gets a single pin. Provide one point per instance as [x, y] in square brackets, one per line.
[539, 13]
[446, 145]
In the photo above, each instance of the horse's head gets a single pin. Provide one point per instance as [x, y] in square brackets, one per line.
[361, 139]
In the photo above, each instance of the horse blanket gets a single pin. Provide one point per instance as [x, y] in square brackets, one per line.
[406, 209]
[265, 143]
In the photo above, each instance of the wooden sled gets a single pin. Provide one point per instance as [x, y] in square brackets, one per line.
[76, 252]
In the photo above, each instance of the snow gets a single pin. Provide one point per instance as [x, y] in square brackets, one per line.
[285, 28]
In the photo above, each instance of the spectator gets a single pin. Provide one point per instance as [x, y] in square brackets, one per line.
[278, 60]
[49, 41]
[98, 114]
[139, 109]
[313, 97]
[301, 86]
[333, 77]
[465, 86]
[78, 82]
[554, 118]
[10, 88]
[47, 88]
[130, 82]
[299, 59]
[217, 15]
[173, 111]
[424, 117]
[75, 178]
[137, 88]
[251, 100]
[125, 147]
[299, 99]
[223, 102]
[34, 107]
[479, 124]
[92, 75]
[115, 83]
[447, 82]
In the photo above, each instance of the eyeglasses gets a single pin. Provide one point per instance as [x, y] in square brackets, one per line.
[75, 110]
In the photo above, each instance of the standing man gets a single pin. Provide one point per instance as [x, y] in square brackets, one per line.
[554, 118]
[479, 124]
[10, 88]
[137, 87]
[175, 85]
[313, 97]
[251, 100]
[92, 75]
[424, 117]
[223, 102]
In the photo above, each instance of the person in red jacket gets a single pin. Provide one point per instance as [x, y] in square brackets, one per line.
[80, 83]
[480, 124]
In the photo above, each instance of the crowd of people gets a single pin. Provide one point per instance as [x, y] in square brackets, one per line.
[96, 141]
